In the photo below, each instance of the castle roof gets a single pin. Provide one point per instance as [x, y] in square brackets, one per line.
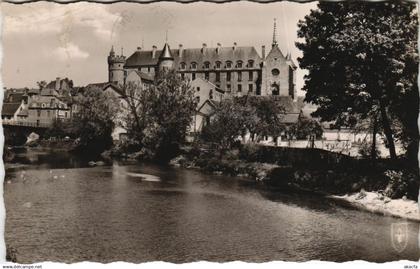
[197, 55]
[166, 53]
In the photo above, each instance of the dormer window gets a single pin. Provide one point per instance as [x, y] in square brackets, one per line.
[193, 65]
[239, 64]
[228, 64]
[206, 65]
[218, 64]
[183, 66]
[250, 64]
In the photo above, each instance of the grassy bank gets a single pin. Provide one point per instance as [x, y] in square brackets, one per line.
[384, 187]
[306, 169]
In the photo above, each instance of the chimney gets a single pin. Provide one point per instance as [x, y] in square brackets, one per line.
[181, 50]
[204, 48]
[138, 48]
[263, 52]
[218, 48]
[154, 51]
[57, 83]
[234, 46]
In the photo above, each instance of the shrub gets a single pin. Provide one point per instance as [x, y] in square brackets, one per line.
[401, 184]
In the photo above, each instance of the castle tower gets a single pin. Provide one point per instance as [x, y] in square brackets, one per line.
[166, 60]
[116, 67]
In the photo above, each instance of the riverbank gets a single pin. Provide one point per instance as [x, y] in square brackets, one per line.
[377, 203]
[384, 188]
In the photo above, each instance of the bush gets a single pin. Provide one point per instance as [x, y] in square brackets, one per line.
[401, 184]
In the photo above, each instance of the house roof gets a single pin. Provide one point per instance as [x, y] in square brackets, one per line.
[209, 102]
[23, 112]
[15, 97]
[145, 76]
[48, 92]
[197, 55]
[103, 86]
[9, 109]
[208, 82]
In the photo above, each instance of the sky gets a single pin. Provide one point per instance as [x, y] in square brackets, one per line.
[42, 41]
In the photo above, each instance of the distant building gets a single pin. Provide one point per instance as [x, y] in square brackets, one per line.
[39, 107]
[236, 70]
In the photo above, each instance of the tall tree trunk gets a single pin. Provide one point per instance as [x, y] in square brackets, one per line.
[388, 131]
[374, 132]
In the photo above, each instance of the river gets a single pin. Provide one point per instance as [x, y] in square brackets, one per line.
[59, 209]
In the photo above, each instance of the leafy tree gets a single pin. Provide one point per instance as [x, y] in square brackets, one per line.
[264, 116]
[362, 63]
[159, 115]
[95, 121]
[304, 128]
[60, 129]
[229, 121]
[236, 117]
[41, 84]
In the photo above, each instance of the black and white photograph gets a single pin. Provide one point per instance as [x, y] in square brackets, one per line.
[182, 132]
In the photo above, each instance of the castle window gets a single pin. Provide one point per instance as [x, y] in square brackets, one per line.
[250, 63]
[193, 76]
[198, 89]
[229, 87]
[206, 65]
[217, 76]
[250, 87]
[239, 87]
[228, 76]
[239, 64]
[275, 72]
[239, 76]
[183, 76]
[39, 113]
[206, 75]
[228, 64]
[250, 76]
[183, 65]
[218, 64]
[193, 65]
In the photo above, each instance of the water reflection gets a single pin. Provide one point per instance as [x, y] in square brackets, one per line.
[69, 212]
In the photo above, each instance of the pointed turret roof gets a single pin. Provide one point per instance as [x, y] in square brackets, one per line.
[166, 53]
[274, 44]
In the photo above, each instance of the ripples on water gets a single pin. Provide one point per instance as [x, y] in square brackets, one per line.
[58, 209]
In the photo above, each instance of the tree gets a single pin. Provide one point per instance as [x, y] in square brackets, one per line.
[41, 84]
[60, 128]
[95, 121]
[264, 116]
[229, 122]
[236, 117]
[159, 115]
[306, 127]
[362, 63]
